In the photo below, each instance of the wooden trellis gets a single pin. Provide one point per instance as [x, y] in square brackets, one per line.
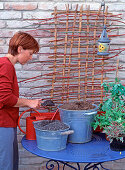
[75, 71]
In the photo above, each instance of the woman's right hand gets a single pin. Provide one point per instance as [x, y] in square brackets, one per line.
[35, 103]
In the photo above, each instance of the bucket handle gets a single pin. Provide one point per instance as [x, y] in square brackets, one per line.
[90, 113]
[67, 132]
[22, 115]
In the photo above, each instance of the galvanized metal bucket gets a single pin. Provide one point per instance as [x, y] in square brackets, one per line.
[79, 121]
[51, 140]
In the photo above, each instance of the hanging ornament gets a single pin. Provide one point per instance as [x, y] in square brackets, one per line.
[103, 43]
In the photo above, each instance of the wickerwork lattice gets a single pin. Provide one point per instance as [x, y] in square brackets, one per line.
[74, 71]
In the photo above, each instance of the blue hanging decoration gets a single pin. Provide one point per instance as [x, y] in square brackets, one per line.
[103, 43]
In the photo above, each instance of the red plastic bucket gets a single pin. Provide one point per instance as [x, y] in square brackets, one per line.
[35, 116]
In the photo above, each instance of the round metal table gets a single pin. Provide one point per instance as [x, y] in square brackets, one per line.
[94, 153]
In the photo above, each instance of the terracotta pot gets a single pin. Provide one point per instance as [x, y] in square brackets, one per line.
[98, 129]
[106, 136]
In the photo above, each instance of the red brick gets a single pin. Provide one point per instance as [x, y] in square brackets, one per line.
[40, 33]
[3, 49]
[6, 14]
[6, 33]
[2, 24]
[21, 6]
[2, 41]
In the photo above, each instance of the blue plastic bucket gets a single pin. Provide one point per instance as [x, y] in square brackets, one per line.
[51, 140]
[79, 121]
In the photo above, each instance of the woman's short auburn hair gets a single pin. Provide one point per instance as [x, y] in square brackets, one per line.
[25, 40]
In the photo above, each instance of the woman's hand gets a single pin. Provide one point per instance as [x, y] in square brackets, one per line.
[35, 103]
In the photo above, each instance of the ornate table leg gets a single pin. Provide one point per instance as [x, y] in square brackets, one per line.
[50, 165]
[94, 166]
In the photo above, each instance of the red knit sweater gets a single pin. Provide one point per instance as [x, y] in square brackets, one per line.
[9, 93]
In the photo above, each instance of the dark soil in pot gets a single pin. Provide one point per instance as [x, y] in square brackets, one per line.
[117, 145]
[77, 105]
[51, 125]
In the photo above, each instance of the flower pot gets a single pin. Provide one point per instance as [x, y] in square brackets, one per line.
[117, 145]
[79, 121]
[106, 137]
[98, 129]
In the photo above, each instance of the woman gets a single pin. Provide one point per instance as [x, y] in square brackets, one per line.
[21, 48]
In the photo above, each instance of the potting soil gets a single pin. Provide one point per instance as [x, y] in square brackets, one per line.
[77, 105]
[51, 125]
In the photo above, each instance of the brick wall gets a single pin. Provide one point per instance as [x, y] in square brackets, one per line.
[13, 18]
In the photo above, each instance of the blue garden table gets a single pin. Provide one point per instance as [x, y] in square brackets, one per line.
[94, 153]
